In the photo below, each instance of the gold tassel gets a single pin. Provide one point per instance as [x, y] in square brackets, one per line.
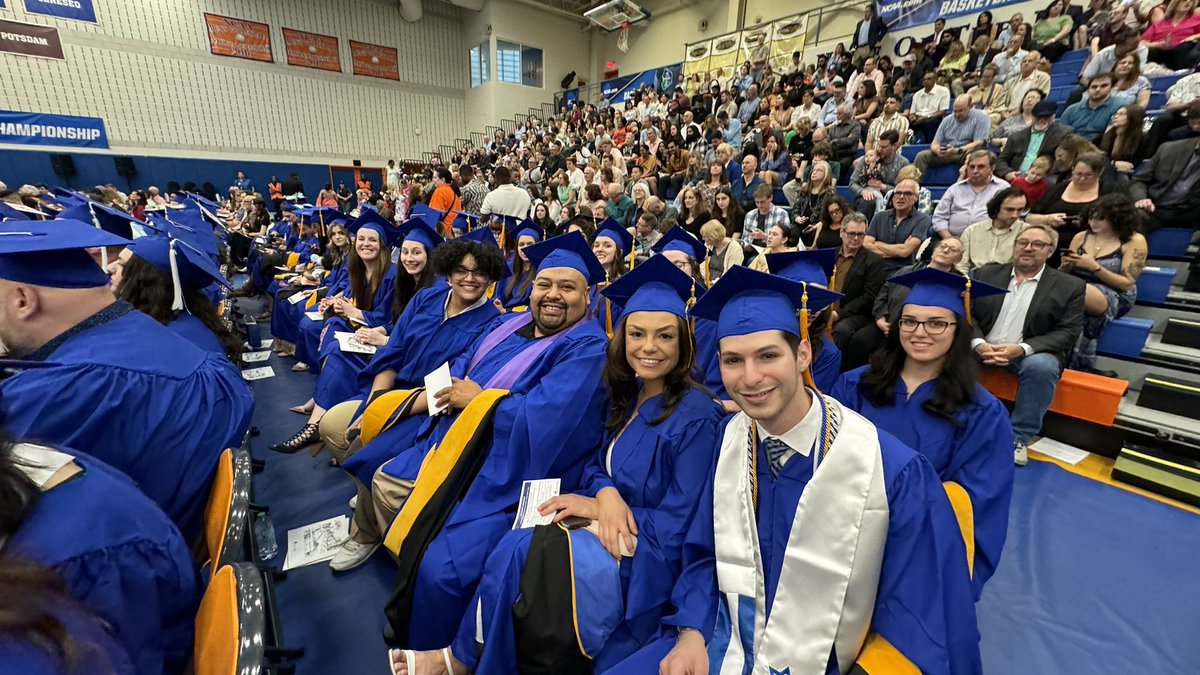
[967, 302]
[707, 272]
[808, 378]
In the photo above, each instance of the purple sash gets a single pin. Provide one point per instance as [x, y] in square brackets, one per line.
[516, 367]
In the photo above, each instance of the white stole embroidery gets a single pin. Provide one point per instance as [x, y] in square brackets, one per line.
[830, 575]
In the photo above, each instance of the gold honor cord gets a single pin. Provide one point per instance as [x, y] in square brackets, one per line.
[821, 450]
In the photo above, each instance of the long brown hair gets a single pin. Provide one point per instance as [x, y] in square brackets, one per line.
[362, 284]
[621, 379]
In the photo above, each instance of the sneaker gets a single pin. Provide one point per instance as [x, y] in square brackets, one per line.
[1020, 454]
[354, 502]
[351, 555]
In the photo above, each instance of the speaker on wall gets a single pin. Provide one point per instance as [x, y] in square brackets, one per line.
[125, 167]
[63, 165]
[358, 162]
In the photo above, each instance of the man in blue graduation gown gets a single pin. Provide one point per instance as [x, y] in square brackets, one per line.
[109, 380]
[875, 581]
[526, 403]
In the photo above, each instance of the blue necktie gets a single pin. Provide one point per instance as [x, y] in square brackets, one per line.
[777, 452]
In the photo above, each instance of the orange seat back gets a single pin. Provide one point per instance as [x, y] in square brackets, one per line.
[216, 512]
[218, 628]
[293, 259]
[1085, 396]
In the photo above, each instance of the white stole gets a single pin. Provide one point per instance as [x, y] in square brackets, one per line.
[830, 575]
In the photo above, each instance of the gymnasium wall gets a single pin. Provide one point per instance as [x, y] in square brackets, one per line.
[147, 71]
[660, 41]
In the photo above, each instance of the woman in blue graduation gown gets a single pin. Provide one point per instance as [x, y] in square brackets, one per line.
[117, 552]
[611, 244]
[661, 441]
[437, 327]
[141, 275]
[923, 387]
[514, 290]
[286, 316]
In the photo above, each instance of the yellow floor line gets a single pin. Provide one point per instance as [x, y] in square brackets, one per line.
[1099, 469]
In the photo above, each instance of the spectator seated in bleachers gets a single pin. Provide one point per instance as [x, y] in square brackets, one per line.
[845, 137]
[809, 201]
[1090, 117]
[957, 136]
[929, 105]
[1109, 255]
[924, 196]
[762, 217]
[1033, 182]
[951, 66]
[1179, 95]
[1062, 207]
[1124, 140]
[1191, 129]
[1038, 139]
[1172, 40]
[1008, 62]
[988, 95]
[991, 241]
[1052, 31]
[966, 201]
[891, 119]
[875, 173]
[1029, 77]
[1167, 188]
[746, 185]
[896, 233]
[1031, 330]
[1125, 42]
[858, 275]
[1020, 119]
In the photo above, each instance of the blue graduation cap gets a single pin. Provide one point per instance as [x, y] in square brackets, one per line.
[185, 263]
[613, 230]
[745, 301]
[192, 227]
[524, 228]
[203, 201]
[389, 233]
[53, 253]
[288, 206]
[323, 215]
[483, 235]
[569, 250]
[814, 266]
[654, 286]
[108, 219]
[7, 212]
[416, 229]
[935, 288]
[422, 210]
[464, 221]
[679, 239]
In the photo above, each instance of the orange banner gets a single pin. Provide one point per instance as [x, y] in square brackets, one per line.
[241, 39]
[311, 50]
[374, 60]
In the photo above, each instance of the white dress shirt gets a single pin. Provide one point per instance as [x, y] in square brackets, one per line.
[1010, 323]
[801, 437]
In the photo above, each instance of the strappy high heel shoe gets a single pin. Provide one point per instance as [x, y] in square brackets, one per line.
[309, 434]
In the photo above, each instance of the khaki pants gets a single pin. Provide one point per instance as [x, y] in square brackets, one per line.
[378, 506]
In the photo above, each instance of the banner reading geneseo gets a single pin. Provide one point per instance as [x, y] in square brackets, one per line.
[901, 14]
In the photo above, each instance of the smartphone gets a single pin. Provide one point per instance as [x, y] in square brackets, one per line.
[575, 522]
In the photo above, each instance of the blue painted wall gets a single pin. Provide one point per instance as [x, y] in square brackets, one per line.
[18, 167]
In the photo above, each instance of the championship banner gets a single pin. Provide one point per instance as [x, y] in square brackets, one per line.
[78, 10]
[29, 39]
[787, 36]
[374, 61]
[240, 39]
[724, 53]
[901, 14]
[311, 50]
[695, 62]
[24, 128]
[752, 39]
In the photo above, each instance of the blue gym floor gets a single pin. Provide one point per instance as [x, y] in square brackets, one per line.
[1093, 580]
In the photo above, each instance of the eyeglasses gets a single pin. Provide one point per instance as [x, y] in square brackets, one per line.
[932, 326]
[853, 235]
[461, 272]
[1037, 245]
[949, 248]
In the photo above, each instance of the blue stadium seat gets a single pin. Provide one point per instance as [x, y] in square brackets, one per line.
[1158, 99]
[936, 192]
[1060, 94]
[1074, 56]
[940, 175]
[778, 198]
[1154, 284]
[1062, 105]
[1125, 337]
[1066, 78]
[910, 151]
[1169, 242]
[845, 192]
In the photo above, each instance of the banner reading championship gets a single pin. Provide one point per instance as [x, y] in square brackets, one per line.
[25, 128]
[238, 38]
[311, 50]
[79, 10]
[901, 14]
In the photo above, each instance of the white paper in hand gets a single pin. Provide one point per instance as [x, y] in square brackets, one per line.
[435, 382]
[533, 494]
[315, 315]
[299, 297]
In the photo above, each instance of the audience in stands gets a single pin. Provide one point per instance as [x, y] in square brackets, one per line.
[966, 201]
[1027, 79]
[1031, 330]
[991, 241]
[1062, 207]
[1167, 188]
[723, 252]
[809, 201]
[858, 275]
[929, 105]
[876, 172]
[1039, 138]
[1052, 31]
[895, 234]
[957, 137]
[1090, 117]
[1008, 62]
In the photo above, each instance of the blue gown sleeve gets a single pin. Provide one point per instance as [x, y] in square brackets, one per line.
[662, 530]
[845, 391]
[926, 607]
[982, 467]
[381, 313]
[595, 477]
[694, 596]
[828, 365]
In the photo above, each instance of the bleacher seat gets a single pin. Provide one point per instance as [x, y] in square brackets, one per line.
[1169, 242]
[911, 150]
[1083, 410]
[1063, 79]
[1154, 283]
[1158, 99]
[1125, 337]
[778, 198]
[1059, 94]
[845, 192]
[936, 192]
[1164, 82]
[226, 517]
[940, 175]
[231, 623]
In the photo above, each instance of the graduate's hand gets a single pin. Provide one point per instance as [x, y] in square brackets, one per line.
[615, 522]
[883, 324]
[459, 394]
[688, 657]
[371, 336]
[570, 505]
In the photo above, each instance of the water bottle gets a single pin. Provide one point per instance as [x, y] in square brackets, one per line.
[253, 333]
[264, 534]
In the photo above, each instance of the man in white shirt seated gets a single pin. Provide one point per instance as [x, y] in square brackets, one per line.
[929, 105]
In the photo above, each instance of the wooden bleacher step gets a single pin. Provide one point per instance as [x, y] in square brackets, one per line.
[1171, 395]
[1182, 333]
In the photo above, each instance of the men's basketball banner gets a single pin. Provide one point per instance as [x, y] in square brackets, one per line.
[371, 60]
[310, 50]
[238, 38]
[901, 14]
[79, 10]
[30, 39]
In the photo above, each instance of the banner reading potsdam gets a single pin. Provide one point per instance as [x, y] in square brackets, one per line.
[901, 14]
[25, 128]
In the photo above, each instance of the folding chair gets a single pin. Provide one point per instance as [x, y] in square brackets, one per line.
[230, 625]
[226, 517]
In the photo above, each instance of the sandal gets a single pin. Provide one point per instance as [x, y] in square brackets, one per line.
[410, 660]
[309, 434]
[303, 409]
[300, 367]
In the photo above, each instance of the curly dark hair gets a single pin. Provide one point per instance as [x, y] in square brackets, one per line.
[622, 382]
[955, 384]
[1120, 213]
[488, 259]
[151, 292]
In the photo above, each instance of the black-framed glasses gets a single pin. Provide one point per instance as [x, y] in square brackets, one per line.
[1039, 245]
[853, 235]
[903, 193]
[464, 272]
[932, 326]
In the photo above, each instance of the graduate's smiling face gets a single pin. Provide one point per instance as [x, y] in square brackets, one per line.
[366, 244]
[605, 250]
[413, 257]
[467, 282]
[652, 344]
[764, 372]
[558, 299]
[927, 333]
[522, 242]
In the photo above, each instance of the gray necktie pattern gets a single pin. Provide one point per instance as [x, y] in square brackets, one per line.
[777, 451]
